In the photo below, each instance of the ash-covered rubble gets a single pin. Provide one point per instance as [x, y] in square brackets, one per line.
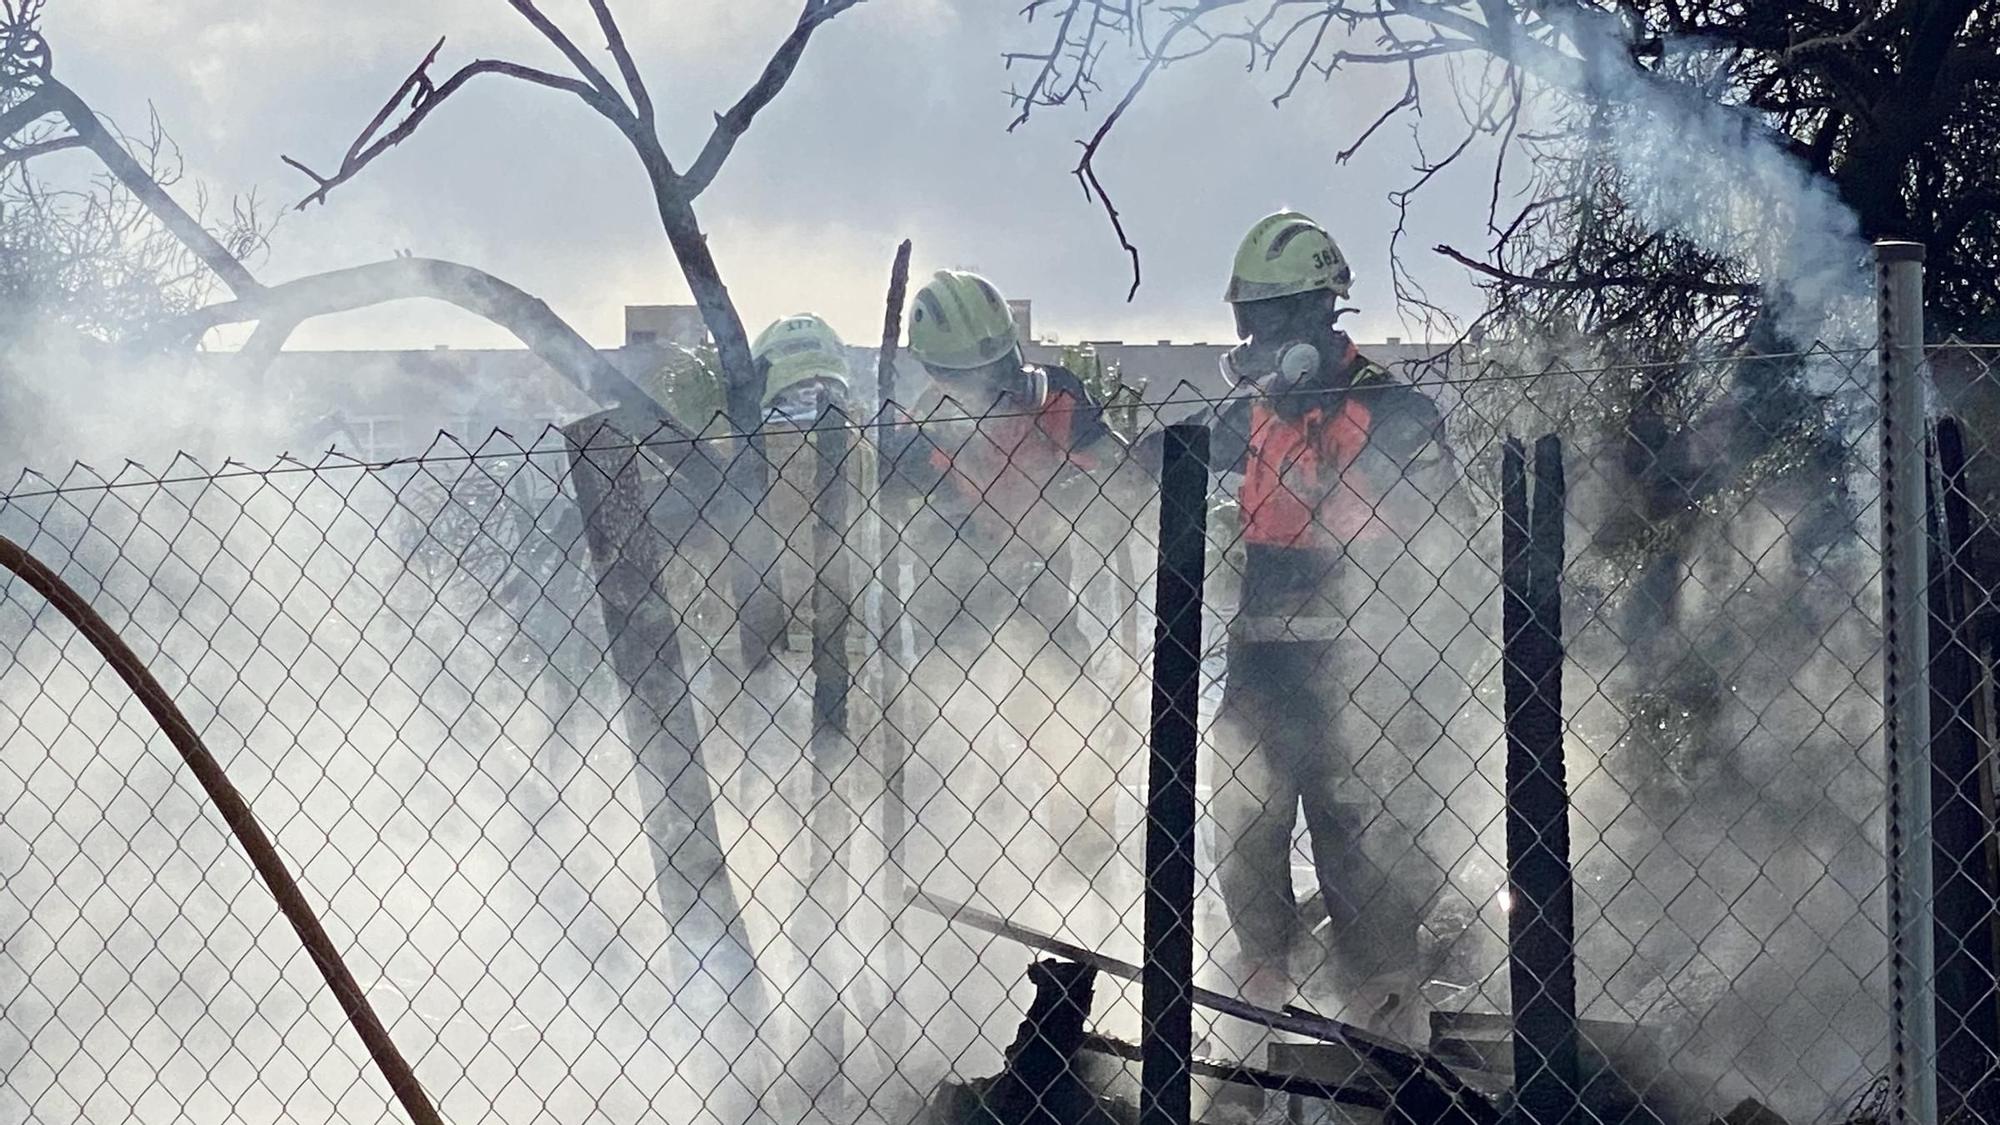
[1059, 1072]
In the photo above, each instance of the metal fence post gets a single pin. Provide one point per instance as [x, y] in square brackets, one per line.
[1541, 925]
[1167, 982]
[1906, 662]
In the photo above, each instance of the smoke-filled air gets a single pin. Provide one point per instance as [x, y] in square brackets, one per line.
[1088, 562]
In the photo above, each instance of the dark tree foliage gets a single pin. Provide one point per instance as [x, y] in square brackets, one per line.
[1893, 102]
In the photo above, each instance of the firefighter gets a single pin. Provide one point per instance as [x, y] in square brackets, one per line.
[800, 360]
[1344, 472]
[801, 366]
[1003, 439]
[804, 367]
[1005, 457]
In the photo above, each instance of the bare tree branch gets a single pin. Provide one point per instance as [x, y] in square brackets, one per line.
[614, 41]
[1412, 96]
[262, 348]
[423, 97]
[1684, 282]
[1086, 169]
[731, 125]
[1082, 49]
[1049, 60]
[576, 57]
[1305, 59]
[1506, 142]
[673, 192]
[23, 153]
[528, 317]
[129, 172]
[29, 111]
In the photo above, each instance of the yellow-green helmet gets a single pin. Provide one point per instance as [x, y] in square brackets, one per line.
[797, 349]
[959, 321]
[1285, 254]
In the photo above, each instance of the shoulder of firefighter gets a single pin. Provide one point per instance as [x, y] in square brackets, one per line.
[1066, 434]
[1398, 422]
[1075, 413]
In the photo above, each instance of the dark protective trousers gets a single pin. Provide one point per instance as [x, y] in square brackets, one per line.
[1284, 744]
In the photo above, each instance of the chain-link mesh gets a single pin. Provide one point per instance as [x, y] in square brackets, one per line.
[631, 792]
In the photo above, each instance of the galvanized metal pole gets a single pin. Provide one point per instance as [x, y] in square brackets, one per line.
[1166, 1002]
[1906, 669]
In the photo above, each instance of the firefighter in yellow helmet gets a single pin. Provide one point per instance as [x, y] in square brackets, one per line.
[1343, 473]
[1007, 457]
[1001, 436]
[804, 367]
[963, 333]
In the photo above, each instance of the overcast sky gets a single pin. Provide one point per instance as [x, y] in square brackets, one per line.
[894, 127]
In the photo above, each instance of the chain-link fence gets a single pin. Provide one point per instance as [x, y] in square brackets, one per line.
[673, 778]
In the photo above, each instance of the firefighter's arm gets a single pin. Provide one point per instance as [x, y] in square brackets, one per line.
[1093, 443]
[1228, 425]
[1413, 439]
[917, 455]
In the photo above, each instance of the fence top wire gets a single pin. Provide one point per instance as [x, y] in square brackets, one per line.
[552, 440]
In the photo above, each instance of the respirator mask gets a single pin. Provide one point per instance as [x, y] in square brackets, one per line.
[1005, 384]
[1276, 367]
[802, 403]
[1290, 345]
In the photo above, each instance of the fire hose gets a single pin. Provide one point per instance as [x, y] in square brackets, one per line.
[242, 823]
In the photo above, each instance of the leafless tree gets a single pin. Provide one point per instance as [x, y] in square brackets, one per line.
[628, 106]
[40, 115]
[1889, 100]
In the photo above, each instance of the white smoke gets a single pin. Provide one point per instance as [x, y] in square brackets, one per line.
[1717, 175]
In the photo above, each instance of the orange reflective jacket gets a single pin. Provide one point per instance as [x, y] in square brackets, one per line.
[1005, 467]
[1298, 487]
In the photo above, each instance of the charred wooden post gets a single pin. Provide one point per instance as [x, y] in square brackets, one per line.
[832, 819]
[1043, 1083]
[1167, 984]
[621, 512]
[1541, 925]
[1966, 889]
[889, 1028]
[894, 629]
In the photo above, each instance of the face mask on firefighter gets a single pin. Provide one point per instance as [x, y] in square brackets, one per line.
[802, 403]
[1288, 342]
[985, 387]
[1282, 366]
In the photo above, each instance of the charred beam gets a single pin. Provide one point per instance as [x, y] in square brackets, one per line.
[1541, 925]
[1167, 1000]
[1426, 1090]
